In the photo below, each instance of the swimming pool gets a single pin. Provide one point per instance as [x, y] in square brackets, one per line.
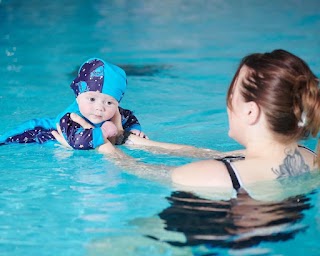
[180, 56]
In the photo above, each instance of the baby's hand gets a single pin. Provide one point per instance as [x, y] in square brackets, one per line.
[139, 133]
[109, 130]
[116, 119]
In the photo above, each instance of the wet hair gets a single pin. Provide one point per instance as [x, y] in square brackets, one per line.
[287, 91]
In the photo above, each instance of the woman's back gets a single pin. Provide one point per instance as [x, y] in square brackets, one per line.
[274, 166]
[228, 172]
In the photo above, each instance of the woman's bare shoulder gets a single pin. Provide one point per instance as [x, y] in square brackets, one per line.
[207, 173]
[309, 157]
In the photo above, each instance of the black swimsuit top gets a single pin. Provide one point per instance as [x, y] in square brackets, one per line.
[234, 179]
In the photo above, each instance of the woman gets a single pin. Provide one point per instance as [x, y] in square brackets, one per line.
[273, 102]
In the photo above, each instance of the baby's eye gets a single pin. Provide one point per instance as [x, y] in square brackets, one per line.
[92, 99]
[109, 102]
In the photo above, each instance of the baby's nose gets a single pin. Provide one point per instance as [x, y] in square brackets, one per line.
[99, 107]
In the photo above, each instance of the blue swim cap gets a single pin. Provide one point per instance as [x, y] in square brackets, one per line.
[97, 75]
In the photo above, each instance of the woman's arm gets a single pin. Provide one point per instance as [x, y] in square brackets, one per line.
[157, 147]
[159, 173]
[177, 149]
[207, 173]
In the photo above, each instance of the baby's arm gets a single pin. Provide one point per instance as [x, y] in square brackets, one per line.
[131, 123]
[80, 138]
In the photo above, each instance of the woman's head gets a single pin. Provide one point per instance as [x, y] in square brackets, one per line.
[285, 89]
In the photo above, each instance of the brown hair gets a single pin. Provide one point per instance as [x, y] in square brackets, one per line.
[285, 88]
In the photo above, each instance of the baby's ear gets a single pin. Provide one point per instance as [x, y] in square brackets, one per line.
[253, 112]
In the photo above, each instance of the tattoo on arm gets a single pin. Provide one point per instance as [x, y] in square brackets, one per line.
[293, 165]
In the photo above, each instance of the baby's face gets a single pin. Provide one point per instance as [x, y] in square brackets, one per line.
[97, 107]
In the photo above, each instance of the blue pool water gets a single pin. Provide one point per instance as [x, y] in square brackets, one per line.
[180, 57]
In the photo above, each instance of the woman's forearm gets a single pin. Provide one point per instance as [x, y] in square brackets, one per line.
[138, 141]
[177, 149]
[158, 173]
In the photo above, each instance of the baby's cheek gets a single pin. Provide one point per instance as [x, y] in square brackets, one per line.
[85, 108]
[110, 112]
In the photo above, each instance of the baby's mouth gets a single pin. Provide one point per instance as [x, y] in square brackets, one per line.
[97, 116]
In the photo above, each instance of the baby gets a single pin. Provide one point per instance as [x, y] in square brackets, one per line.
[99, 87]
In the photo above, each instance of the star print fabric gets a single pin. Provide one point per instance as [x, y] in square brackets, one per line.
[76, 136]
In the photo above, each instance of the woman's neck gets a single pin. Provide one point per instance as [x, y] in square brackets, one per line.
[265, 147]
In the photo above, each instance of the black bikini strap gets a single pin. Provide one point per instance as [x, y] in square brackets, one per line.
[308, 149]
[235, 182]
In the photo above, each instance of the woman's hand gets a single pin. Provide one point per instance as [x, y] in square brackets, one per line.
[139, 133]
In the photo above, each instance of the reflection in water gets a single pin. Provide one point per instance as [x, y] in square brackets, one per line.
[237, 223]
[136, 70]
[144, 70]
